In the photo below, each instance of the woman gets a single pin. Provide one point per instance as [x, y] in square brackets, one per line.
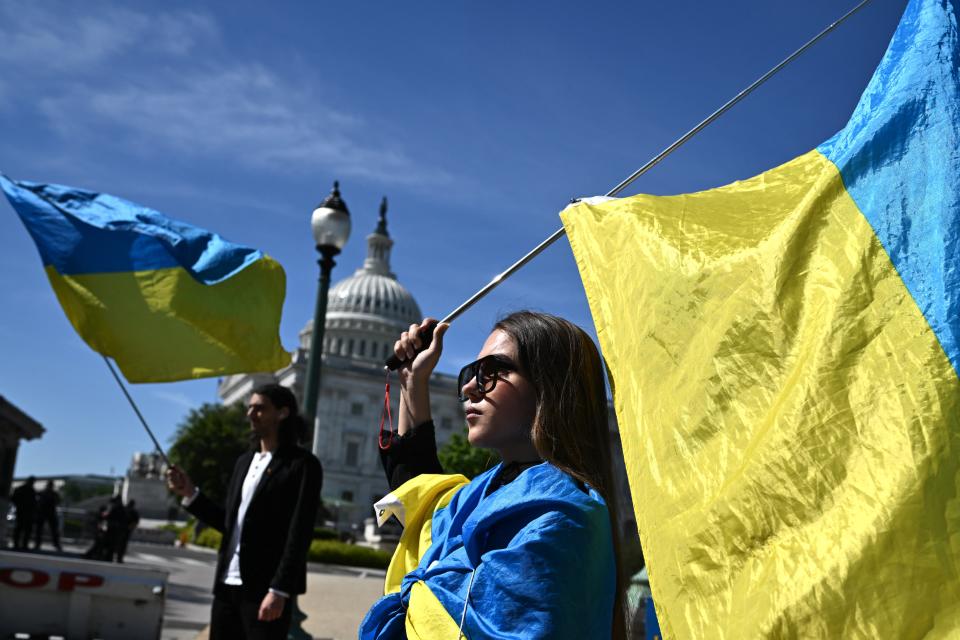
[527, 549]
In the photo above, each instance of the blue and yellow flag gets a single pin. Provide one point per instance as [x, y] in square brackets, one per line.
[785, 353]
[166, 300]
[533, 559]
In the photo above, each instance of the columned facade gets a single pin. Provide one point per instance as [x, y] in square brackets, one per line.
[366, 312]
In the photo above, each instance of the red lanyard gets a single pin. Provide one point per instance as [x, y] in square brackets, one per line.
[386, 416]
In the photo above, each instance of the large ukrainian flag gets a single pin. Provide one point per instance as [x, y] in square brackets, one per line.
[785, 354]
[166, 300]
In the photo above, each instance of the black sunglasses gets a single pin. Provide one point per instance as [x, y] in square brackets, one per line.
[487, 370]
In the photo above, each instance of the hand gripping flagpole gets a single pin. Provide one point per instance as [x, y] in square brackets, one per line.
[426, 335]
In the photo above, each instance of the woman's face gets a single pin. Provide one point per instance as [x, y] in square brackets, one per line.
[501, 418]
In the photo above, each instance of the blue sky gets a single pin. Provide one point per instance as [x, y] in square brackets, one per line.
[479, 122]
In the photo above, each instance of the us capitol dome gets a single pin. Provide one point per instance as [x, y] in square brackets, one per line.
[366, 312]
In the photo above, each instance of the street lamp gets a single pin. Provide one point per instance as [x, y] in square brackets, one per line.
[330, 223]
[331, 228]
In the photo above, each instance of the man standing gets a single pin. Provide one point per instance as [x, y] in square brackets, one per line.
[133, 519]
[267, 524]
[116, 525]
[98, 550]
[24, 498]
[47, 502]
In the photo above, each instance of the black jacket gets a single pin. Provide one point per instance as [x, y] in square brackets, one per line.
[278, 525]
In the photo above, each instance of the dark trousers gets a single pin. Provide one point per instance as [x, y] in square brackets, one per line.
[234, 617]
[47, 519]
[111, 543]
[21, 531]
[122, 540]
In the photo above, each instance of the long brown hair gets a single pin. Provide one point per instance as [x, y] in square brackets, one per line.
[570, 426]
[293, 428]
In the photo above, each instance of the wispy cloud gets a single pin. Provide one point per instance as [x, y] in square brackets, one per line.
[181, 400]
[142, 83]
[53, 38]
[235, 113]
[222, 198]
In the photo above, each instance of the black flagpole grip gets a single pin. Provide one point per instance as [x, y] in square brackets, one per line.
[426, 337]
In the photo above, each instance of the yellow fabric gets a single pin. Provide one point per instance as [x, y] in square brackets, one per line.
[427, 619]
[162, 324]
[420, 496]
[789, 421]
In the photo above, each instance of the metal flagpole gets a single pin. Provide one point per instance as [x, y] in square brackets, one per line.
[136, 410]
[393, 362]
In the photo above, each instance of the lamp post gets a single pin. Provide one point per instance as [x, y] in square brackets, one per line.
[330, 223]
[331, 229]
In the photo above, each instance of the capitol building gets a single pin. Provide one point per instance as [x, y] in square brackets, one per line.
[366, 313]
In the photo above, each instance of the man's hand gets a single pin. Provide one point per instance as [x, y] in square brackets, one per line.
[272, 607]
[179, 482]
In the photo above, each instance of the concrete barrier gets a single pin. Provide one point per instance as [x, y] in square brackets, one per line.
[43, 596]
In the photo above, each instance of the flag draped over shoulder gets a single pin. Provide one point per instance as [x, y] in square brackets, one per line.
[785, 353]
[166, 300]
[530, 560]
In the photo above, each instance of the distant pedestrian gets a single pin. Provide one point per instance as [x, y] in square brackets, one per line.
[47, 502]
[116, 528]
[98, 550]
[133, 519]
[24, 498]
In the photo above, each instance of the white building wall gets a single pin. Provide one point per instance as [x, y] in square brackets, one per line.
[369, 308]
[151, 496]
[348, 420]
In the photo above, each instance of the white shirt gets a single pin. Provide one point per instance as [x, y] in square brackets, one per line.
[257, 465]
[255, 471]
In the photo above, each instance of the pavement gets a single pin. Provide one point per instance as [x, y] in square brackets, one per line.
[336, 600]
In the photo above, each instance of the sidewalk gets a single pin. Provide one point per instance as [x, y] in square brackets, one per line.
[336, 600]
[335, 604]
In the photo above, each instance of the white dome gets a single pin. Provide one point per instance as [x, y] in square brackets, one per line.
[367, 311]
[372, 294]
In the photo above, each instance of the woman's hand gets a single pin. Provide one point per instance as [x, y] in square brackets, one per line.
[179, 482]
[415, 372]
[417, 367]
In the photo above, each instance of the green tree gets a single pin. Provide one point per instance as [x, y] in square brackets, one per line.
[207, 444]
[458, 456]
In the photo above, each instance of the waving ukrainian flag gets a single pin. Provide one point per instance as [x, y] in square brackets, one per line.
[166, 300]
[785, 354]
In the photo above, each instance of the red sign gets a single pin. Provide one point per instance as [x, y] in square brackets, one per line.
[24, 578]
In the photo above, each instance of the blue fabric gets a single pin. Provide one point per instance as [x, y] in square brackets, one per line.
[542, 551]
[82, 232]
[650, 623]
[899, 155]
